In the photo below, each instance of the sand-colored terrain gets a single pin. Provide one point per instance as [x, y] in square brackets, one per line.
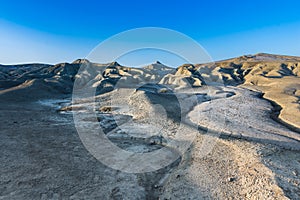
[243, 112]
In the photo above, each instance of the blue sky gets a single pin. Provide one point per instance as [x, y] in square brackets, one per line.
[58, 31]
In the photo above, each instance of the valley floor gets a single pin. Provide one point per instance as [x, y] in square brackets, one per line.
[42, 156]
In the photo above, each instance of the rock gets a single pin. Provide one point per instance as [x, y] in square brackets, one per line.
[231, 179]
[295, 173]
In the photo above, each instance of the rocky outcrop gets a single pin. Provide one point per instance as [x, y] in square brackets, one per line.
[185, 76]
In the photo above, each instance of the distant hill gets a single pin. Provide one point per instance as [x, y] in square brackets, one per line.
[276, 76]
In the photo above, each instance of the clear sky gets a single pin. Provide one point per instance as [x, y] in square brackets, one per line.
[62, 31]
